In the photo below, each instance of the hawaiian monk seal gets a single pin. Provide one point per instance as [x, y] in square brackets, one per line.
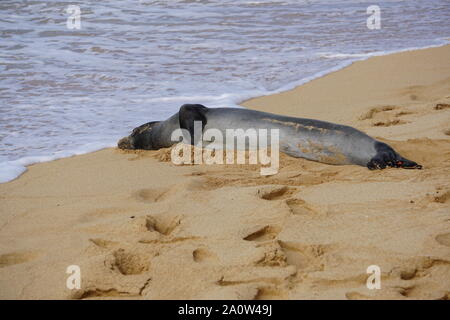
[302, 138]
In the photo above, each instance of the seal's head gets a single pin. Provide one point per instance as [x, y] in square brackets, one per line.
[387, 157]
[140, 138]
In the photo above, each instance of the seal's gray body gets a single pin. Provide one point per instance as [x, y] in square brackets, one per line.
[303, 138]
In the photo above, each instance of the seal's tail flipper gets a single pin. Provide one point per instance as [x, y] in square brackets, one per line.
[407, 164]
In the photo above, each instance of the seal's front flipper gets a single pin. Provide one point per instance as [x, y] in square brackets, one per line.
[387, 157]
[188, 115]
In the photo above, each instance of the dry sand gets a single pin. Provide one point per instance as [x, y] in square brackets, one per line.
[140, 227]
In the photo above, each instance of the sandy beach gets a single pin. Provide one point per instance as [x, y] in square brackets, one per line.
[140, 227]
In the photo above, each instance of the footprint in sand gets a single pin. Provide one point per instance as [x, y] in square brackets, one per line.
[128, 263]
[442, 106]
[10, 259]
[372, 112]
[443, 239]
[262, 233]
[304, 257]
[164, 225]
[408, 273]
[388, 123]
[298, 206]
[102, 243]
[275, 192]
[96, 293]
[149, 195]
[270, 293]
[273, 255]
[203, 255]
[385, 116]
[353, 295]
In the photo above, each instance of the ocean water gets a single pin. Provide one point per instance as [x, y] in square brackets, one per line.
[70, 91]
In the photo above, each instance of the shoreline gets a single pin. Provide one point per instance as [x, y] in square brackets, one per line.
[295, 84]
[140, 227]
[20, 166]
